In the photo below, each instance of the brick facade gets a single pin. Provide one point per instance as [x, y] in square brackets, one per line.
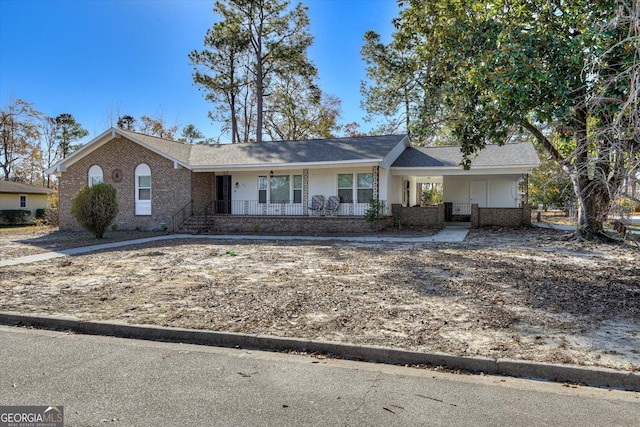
[173, 188]
[500, 217]
[296, 225]
[202, 190]
[170, 187]
[434, 216]
[427, 217]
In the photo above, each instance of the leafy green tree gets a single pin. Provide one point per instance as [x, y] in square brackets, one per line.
[297, 109]
[191, 135]
[127, 122]
[68, 131]
[29, 170]
[157, 127]
[353, 130]
[19, 133]
[223, 70]
[549, 185]
[95, 208]
[394, 87]
[48, 144]
[502, 65]
[256, 43]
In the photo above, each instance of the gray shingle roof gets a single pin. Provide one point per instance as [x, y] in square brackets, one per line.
[285, 152]
[19, 188]
[274, 152]
[519, 154]
[173, 149]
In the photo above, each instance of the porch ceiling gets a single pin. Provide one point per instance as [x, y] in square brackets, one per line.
[459, 171]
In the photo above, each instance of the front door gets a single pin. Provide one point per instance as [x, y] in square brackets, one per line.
[478, 193]
[223, 194]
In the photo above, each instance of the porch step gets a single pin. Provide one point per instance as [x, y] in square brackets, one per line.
[457, 225]
[197, 224]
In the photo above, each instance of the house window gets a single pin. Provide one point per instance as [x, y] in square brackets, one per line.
[262, 189]
[362, 192]
[143, 190]
[23, 201]
[297, 188]
[365, 187]
[280, 189]
[95, 175]
[345, 187]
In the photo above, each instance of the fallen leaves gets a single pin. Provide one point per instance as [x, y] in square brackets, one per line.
[501, 293]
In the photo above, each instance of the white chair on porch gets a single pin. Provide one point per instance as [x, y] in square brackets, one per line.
[332, 206]
[317, 205]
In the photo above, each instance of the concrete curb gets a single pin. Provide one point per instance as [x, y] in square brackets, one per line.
[590, 376]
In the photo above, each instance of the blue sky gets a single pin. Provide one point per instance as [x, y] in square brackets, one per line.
[96, 58]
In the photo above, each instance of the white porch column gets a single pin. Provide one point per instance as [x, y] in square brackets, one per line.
[376, 182]
[305, 192]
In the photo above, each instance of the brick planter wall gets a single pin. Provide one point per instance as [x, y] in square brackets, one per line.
[426, 217]
[296, 225]
[500, 217]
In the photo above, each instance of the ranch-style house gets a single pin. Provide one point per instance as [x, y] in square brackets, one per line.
[319, 185]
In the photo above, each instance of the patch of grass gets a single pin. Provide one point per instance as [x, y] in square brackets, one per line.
[25, 228]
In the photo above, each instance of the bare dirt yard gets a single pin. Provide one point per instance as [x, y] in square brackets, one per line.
[533, 294]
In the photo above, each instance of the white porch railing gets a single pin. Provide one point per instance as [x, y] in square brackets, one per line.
[256, 208]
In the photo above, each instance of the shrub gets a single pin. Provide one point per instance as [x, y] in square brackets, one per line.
[51, 217]
[95, 208]
[372, 214]
[39, 214]
[15, 216]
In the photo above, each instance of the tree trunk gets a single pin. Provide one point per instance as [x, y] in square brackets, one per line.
[259, 83]
[591, 190]
[594, 202]
[234, 117]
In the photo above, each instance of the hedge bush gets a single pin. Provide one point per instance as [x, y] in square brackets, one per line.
[15, 216]
[95, 208]
[51, 217]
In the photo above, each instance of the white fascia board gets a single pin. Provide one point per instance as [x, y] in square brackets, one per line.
[480, 170]
[283, 166]
[98, 142]
[175, 161]
[395, 152]
[56, 169]
[89, 147]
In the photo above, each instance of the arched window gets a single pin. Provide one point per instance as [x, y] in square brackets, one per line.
[143, 189]
[95, 175]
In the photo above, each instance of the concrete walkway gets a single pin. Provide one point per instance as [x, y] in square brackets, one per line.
[447, 235]
[554, 226]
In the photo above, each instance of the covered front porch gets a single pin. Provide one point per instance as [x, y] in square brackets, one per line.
[431, 200]
[429, 182]
[327, 191]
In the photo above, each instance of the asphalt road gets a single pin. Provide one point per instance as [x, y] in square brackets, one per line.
[104, 381]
